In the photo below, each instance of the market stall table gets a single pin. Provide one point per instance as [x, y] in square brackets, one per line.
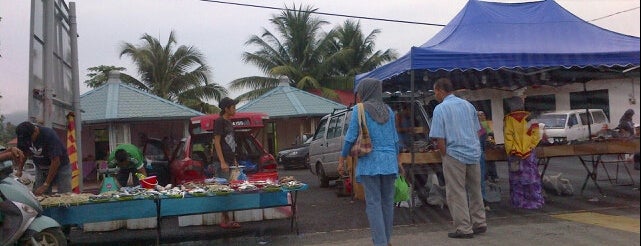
[590, 154]
[164, 207]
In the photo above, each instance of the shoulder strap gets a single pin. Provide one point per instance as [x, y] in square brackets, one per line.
[361, 118]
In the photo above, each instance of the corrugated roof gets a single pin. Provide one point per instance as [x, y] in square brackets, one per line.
[116, 101]
[287, 101]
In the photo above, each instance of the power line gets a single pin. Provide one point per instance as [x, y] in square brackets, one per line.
[610, 15]
[377, 19]
[329, 14]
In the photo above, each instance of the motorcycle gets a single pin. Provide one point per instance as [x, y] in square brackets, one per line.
[21, 219]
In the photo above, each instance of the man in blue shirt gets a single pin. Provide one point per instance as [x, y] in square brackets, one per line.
[49, 155]
[455, 127]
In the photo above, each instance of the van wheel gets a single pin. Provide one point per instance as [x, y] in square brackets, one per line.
[324, 181]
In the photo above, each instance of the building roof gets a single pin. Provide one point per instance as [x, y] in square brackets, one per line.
[346, 97]
[115, 101]
[286, 101]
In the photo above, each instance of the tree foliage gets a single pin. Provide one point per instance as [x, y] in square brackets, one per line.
[308, 56]
[99, 75]
[7, 131]
[179, 74]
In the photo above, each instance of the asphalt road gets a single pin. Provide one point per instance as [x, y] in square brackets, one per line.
[325, 218]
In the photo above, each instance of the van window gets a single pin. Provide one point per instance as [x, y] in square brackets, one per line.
[555, 120]
[322, 127]
[346, 124]
[599, 117]
[585, 118]
[573, 120]
[334, 129]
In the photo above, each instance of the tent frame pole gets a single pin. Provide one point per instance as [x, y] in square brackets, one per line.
[411, 147]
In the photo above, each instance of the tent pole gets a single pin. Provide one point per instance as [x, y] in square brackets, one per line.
[412, 156]
[587, 110]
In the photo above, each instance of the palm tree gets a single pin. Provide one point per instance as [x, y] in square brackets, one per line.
[353, 53]
[299, 55]
[311, 58]
[99, 75]
[178, 74]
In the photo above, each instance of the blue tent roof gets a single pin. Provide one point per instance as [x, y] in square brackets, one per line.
[532, 35]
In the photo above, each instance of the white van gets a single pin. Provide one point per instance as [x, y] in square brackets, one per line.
[572, 125]
[327, 142]
[326, 145]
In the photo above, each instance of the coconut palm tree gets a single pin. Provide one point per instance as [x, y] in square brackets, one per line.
[299, 54]
[353, 53]
[179, 74]
[99, 75]
[311, 58]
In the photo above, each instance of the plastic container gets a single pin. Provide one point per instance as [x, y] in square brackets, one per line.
[144, 223]
[279, 212]
[248, 215]
[214, 218]
[190, 220]
[149, 182]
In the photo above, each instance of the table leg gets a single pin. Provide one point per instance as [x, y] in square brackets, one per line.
[158, 219]
[293, 221]
[592, 174]
[545, 162]
[412, 190]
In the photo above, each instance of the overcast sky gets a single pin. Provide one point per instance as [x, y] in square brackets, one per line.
[220, 30]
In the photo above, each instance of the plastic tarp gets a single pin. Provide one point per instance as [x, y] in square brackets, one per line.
[489, 35]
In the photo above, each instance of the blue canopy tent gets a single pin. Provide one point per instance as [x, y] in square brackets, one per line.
[511, 45]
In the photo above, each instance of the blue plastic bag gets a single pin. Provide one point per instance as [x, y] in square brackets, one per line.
[248, 166]
[242, 176]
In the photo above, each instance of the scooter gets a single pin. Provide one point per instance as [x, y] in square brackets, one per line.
[21, 219]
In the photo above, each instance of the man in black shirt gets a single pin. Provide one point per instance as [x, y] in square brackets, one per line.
[225, 148]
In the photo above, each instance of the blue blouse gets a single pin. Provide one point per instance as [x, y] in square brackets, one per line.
[383, 160]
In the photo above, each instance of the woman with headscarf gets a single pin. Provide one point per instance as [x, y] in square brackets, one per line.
[377, 170]
[626, 126]
[521, 139]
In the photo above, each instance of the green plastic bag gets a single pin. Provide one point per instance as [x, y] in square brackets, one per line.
[402, 189]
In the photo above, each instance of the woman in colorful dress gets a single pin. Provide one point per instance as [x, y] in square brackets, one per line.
[521, 138]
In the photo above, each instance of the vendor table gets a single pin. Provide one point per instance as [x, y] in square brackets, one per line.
[144, 208]
[591, 155]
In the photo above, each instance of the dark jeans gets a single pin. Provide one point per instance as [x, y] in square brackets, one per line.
[490, 168]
